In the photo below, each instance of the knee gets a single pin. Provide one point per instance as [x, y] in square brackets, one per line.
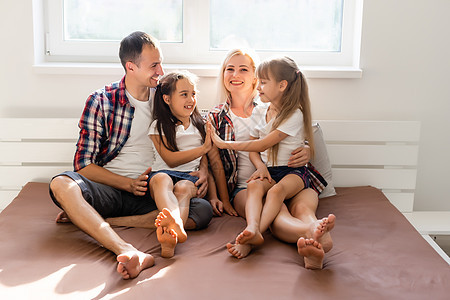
[200, 211]
[185, 187]
[160, 179]
[60, 184]
[255, 185]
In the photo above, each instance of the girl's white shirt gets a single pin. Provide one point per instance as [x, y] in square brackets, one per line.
[242, 128]
[293, 127]
[136, 155]
[186, 139]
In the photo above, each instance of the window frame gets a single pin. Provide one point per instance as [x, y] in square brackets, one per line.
[194, 51]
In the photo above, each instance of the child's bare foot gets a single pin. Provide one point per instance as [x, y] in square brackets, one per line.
[133, 262]
[239, 250]
[62, 217]
[317, 229]
[168, 240]
[251, 236]
[165, 219]
[312, 252]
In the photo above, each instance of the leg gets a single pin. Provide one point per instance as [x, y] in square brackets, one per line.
[68, 194]
[286, 188]
[303, 207]
[161, 190]
[239, 202]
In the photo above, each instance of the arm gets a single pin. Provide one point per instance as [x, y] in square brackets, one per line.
[176, 158]
[261, 168]
[253, 145]
[300, 157]
[99, 174]
[220, 180]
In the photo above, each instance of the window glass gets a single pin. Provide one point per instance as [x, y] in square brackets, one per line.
[104, 20]
[289, 25]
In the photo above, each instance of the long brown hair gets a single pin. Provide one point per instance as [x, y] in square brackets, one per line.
[295, 96]
[166, 122]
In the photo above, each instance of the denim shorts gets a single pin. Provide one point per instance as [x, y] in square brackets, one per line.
[176, 175]
[235, 192]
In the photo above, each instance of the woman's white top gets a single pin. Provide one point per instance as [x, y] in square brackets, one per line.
[186, 139]
[242, 128]
[293, 127]
[136, 155]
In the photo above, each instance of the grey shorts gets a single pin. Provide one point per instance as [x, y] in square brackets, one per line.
[110, 202]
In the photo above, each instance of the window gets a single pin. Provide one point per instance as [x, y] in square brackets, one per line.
[314, 32]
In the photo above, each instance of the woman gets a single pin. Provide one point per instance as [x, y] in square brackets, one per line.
[296, 222]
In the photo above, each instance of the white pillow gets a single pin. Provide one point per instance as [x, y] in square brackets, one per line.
[321, 161]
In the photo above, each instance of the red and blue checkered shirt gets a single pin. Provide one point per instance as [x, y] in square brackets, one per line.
[221, 120]
[104, 126]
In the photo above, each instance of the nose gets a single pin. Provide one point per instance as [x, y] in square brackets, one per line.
[160, 70]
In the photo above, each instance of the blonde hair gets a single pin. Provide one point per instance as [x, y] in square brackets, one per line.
[295, 96]
[223, 94]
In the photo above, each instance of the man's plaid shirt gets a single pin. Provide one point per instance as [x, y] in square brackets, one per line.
[104, 126]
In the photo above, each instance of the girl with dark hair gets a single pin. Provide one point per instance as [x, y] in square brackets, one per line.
[181, 143]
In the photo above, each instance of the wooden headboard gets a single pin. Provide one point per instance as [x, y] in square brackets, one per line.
[382, 154]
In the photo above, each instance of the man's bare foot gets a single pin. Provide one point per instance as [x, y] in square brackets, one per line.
[133, 262]
[62, 217]
[312, 252]
[165, 219]
[239, 250]
[168, 240]
[251, 236]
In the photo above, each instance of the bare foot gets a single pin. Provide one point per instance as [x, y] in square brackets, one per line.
[168, 240]
[165, 219]
[133, 262]
[239, 250]
[62, 217]
[317, 229]
[251, 236]
[312, 252]
[325, 237]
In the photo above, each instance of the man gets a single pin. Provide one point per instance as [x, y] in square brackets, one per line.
[114, 157]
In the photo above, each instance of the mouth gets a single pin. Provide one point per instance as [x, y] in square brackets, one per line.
[235, 82]
[189, 106]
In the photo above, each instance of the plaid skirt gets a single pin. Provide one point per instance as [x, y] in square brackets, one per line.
[310, 176]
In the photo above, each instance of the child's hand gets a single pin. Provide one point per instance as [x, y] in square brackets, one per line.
[217, 140]
[260, 174]
[229, 209]
[217, 207]
[207, 145]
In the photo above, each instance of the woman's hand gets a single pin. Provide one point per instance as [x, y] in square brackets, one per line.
[217, 207]
[299, 157]
[260, 173]
[229, 209]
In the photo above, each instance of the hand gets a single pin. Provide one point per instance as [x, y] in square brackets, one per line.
[216, 139]
[138, 186]
[299, 157]
[207, 145]
[229, 209]
[201, 183]
[217, 207]
[260, 174]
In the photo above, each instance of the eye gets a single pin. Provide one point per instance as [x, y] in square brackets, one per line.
[229, 69]
[244, 70]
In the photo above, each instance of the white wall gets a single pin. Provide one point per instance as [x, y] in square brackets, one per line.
[404, 57]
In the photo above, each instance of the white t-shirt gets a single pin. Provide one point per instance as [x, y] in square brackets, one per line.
[293, 127]
[186, 139]
[242, 128]
[136, 155]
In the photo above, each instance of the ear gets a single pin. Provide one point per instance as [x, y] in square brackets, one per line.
[129, 66]
[166, 99]
[283, 85]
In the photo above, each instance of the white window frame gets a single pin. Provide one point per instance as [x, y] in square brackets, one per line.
[194, 52]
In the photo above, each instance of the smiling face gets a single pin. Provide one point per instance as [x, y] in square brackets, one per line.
[147, 70]
[239, 75]
[270, 90]
[182, 101]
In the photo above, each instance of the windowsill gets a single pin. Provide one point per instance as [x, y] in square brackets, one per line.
[200, 70]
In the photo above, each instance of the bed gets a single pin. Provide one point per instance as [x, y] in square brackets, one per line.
[377, 253]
